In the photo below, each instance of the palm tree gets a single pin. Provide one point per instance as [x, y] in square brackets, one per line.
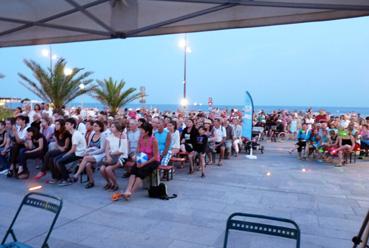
[54, 85]
[112, 94]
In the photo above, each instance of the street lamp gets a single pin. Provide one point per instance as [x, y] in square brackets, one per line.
[82, 87]
[186, 49]
[68, 71]
[184, 102]
[49, 53]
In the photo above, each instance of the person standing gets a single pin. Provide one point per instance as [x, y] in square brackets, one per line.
[229, 138]
[200, 148]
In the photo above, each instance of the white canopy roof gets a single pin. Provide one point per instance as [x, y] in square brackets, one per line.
[29, 22]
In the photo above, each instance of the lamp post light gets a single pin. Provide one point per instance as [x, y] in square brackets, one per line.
[49, 54]
[68, 72]
[186, 49]
[82, 87]
[184, 102]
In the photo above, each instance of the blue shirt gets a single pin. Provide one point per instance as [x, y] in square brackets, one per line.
[303, 135]
[161, 138]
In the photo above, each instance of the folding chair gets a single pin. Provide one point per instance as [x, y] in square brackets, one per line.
[33, 200]
[361, 240]
[255, 227]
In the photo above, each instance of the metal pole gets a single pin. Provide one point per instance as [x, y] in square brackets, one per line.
[51, 58]
[185, 68]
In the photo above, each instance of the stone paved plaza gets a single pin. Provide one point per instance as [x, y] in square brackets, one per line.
[328, 203]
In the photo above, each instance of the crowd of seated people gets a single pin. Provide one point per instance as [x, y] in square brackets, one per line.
[71, 142]
[320, 135]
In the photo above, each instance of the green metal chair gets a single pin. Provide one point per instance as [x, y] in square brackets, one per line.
[234, 223]
[51, 204]
[361, 240]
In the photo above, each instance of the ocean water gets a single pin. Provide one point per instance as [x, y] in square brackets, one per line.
[364, 111]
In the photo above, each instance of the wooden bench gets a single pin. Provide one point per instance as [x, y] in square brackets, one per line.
[168, 172]
[178, 160]
[152, 180]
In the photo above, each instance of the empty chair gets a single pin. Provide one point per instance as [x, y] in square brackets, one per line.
[35, 200]
[361, 240]
[252, 223]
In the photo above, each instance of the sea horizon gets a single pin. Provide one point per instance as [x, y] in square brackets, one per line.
[333, 110]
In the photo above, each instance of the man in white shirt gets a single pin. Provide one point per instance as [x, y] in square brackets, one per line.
[77, 152]
[81, 127]
[47, 110]
[220, 135]
[28, 111]
[237, 135]
[133, 136]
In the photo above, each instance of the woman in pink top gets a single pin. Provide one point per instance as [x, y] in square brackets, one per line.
[149, 145]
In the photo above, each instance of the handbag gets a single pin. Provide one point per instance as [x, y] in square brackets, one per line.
[160, 192]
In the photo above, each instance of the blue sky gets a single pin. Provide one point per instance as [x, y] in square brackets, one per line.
[315, 64]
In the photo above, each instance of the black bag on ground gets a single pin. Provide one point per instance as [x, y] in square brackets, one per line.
[160, 192]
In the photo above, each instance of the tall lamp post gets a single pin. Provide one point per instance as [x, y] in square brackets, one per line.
[49, 53]
[186, 49]
[82, 87]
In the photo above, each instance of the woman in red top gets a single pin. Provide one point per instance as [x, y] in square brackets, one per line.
[148, 145]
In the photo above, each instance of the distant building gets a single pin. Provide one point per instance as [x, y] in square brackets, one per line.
[6, 100]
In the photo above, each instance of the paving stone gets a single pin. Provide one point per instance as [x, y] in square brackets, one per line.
[327, 203]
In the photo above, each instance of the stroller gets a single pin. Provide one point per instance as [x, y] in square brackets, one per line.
[257, 133]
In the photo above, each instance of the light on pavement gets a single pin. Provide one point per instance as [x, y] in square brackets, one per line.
[35, 188]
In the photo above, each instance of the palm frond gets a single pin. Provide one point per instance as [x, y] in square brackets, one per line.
[113, 94]
[52, 85]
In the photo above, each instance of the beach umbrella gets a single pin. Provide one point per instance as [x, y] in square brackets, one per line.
[40, 21]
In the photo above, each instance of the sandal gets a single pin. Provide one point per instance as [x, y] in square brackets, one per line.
[39, 175]
[127, 195]
[11, 173]
[114, 187]
[23, 175]
[107, 186]
[89, 185]
[116, 196]
[72, 180]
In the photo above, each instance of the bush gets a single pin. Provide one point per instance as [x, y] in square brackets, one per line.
[5, 113]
